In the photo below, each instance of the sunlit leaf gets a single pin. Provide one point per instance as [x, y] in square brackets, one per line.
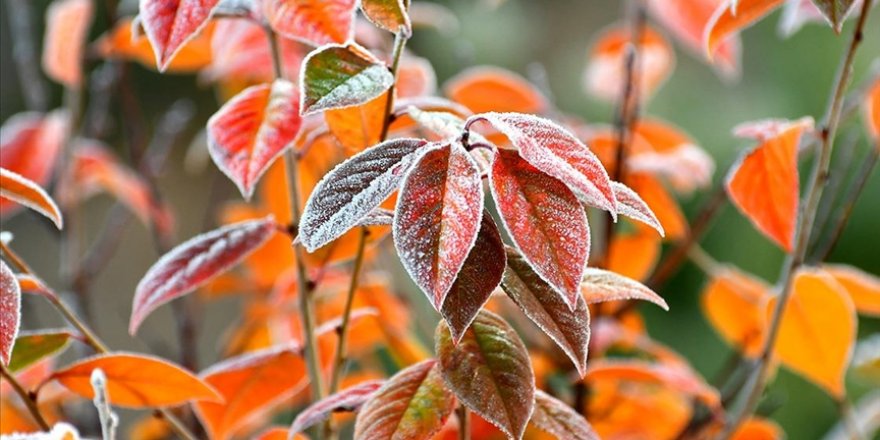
[490, 372]
[735, 303]
[557, 418]
[195, 262]
[413, 404]
[437, 218]
[488, 89]
[725, 21]
[569, 328]
[335, 76]
[817, 331]
[764, 183]
[863, 287]
[67, 27]
[478, 278]
[545, 221]
[314, 21]
[388, 14]
[170, 24]
[20, 189]
[10, 311]
[31, 347]
[136, 381]
[251, 130]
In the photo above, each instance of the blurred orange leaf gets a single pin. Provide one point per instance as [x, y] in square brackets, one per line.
[758, 429]
[315, 21]
[20, 189]
[634, 255]
[606, 68]
[726, 21]
[122, 42]
[67, 27]
[872, 110]
[735, 303]
[484, 89]
[863, 287]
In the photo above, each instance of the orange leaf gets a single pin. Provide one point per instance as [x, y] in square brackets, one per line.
[18, 188]
[315, 21]
[358, 127]
[664, 206]
[606, 68]
[484, 89]
[863, 287]
[725, 21]
[136, 381]
[121, 42]
[817, 331]
[758, 429]
[415, 77]
[872, 110]
[735, 303]
[67, 27]
[764, 184]
[634, 255]
[240, 51]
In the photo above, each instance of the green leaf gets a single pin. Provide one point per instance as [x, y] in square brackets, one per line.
[413, 404]
[336, 76]
[557, 418]
[30, 347]
[387, 14]
[490, 372]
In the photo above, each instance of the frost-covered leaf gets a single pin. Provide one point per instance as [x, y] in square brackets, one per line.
[764, 184]
[32, 346]
[413, 404]
[387, 14]
[490, 372]
[67, 27]
[349, 399]
[553, 150]
[601, 285]
[336, 76]
[545, 221]
[378, 216]
[835, 11]
[195, 262]
[10, 311]
[20, 189]
[352, 190]
[136, 381]
[169, 24]
[313, 21]
[479, 276]
[240, 50]
[557, 418]
[437, 218]
[568, 328]
[251, 130]
[725, 22]
[631, 205]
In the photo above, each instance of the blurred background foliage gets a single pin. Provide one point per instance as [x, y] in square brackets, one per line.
[547, 41]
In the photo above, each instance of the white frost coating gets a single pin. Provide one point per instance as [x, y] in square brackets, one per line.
[10, 311]
[602, 285]
[553, 150]
[378, 216]
[32, 196]
[189, 18]
[353, 189]
[443, 124]
[349, 399]
[687, 167]
[195, 262]
[362, 87]
[631, 205]
[60, 430]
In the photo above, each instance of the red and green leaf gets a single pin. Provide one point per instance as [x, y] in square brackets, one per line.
[336, 76]
[31, 347]
[387, 14]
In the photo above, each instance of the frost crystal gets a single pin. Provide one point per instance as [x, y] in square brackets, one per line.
[631, 205]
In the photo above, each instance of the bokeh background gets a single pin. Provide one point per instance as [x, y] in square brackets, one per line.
[786, 78]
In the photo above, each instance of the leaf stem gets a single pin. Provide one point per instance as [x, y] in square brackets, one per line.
[710, 266]
[464, 422]
[26, 397]
[275, 50]
[812, 196]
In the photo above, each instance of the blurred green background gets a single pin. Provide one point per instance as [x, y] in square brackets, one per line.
[782, 78]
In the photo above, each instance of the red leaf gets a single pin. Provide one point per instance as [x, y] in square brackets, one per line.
[764, 184]
[388, 14]
[568, 327]
[602, 285]
[169, 24]
[478, 278]
[67, 27]
[726, 21]
[545, 221]
[556, 152]
[354, 189]
[195, 262]
[251, 130]
[240, 50]
[557, 418]
[438, 217]
[414, 404]
[631, 205]
[314, 21]
[10, 311]
[349, 399]
[136, 381]
[18, 188]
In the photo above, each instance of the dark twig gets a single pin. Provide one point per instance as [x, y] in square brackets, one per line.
[26, 55]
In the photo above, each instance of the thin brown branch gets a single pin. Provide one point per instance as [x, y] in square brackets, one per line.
[29, 400]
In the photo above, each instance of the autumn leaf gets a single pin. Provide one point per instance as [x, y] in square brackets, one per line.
[67, 27]
[20, 189]
[195, 262]
[552, 149]
[358, 127]
[336, 76]
[661, 202]
[606, 67]
[490, 372]
[545, 221]
[634, 255]
[817, 330]
[631, 205]
[388, 14]
[170, 24]
[835, 11]
[557, 418]
[479, 276]
[568, 327]
[32, 346]
[601, 285]
[120, 42]
[756, 428]
[863, 287]
[240, 51]
[676, 376]
[871, 108]
[352, 190]
[250, 384]
[735, 303]
[725, 21]
[349, 399]
[251, 130]
[414, 403]
[136, 381]
[491, 89]
[313, 21]
[763, 185]
[437, 218]
[10, 311]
